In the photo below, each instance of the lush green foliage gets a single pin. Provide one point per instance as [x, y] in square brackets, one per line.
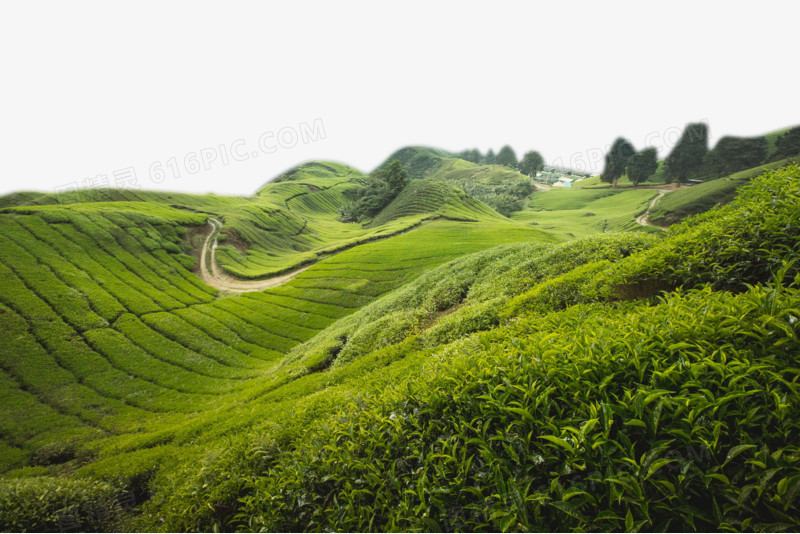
[642, 165]
[497, 186]
[49, 504]
[616, 160]
[532, 162]
[402, 383]
[733, 154]
[594, 417]
[788, 144]
[506, 157]
[688, 153]
[545, 426]
[381, 189]
[129, 361]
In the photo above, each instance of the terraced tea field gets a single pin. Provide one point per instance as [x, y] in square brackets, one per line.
[178, 348]
[122, 341]
[121, 337]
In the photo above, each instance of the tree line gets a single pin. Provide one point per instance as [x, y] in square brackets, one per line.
[531, 163]
[690, 158]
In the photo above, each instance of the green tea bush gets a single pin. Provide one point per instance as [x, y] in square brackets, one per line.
[744, 242]
[517, 273]
[387, 330]
[454, 293]
[473, 317]
[594, 418]
[49, 504]
[573, 287]
[203, 495]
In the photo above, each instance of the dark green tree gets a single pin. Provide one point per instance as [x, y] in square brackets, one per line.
[733, 154]
[395, 176]
[616, 160]
[787, 144]
[473, 155]
[642, 165]
[688, 154]
[383, 186]
[532, 162]
[506, 157]
[490, 158]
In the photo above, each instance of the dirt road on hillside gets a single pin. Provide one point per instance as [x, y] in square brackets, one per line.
[213, 275]
[644, 218]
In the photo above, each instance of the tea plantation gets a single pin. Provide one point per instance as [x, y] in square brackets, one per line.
[438, 368]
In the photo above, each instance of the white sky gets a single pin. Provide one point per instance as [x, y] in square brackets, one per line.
[92, 89]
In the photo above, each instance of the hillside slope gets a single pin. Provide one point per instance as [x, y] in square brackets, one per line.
[501, 188]
[434, 198]
[291, 221]
[546, 388]
[702, 197]
[131, 362]
[415, 375]
[568, 213]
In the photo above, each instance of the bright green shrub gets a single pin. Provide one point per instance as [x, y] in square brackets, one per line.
[468, 281]
[519, 272]
[573, 287]
[387, 330]
[744, 242]
[48, 504]
[594, 418]
[202, 495]
[473, 317]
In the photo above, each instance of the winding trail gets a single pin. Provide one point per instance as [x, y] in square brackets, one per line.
[213, 275]
[644, 218]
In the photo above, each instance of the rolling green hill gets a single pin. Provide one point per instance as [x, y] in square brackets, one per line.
[130, 360]
[501, 188]
[548, 388]
[419, 161]
[436, 198]
[568, 214]
[441, 368]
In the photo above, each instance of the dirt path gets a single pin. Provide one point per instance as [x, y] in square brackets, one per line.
[213, 275]
[644, 218]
